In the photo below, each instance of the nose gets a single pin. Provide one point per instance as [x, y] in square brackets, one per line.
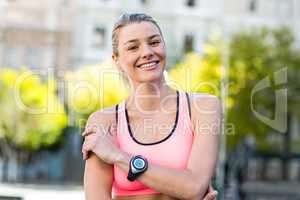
[146, 52]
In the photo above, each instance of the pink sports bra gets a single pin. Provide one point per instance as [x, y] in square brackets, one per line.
[173, 151]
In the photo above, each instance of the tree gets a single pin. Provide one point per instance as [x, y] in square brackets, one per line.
[92, 88]
[199, 73]
[264, 54]
[32, 117]
[263, 66]
[253, 56]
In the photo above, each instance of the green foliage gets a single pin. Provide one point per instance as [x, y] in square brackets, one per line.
[253, 56]
[32, 117]
[92, 88]
[198, 73]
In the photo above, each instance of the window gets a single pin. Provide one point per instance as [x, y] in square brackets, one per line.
[12, 57]
[143, 2]
[188, 43]
[33, 57]
[252, 5]
[99, 37]
[191, 3]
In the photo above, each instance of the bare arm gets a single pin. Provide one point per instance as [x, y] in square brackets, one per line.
[98, 178]
[98, 175]
[193, 182]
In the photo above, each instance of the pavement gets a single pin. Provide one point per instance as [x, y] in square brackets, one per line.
[276, 189]
[38, 192]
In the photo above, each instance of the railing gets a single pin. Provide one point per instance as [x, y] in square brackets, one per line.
[62, 165]
[241, 187]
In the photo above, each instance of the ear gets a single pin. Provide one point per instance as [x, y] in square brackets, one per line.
[115, 59]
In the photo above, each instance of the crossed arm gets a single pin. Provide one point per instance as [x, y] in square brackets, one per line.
[192, 183]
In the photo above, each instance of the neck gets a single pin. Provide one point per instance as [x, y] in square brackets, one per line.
[148, 97]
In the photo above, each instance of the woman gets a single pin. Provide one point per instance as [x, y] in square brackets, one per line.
[159, 143]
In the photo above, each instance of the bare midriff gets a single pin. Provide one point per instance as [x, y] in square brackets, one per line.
[145, 197]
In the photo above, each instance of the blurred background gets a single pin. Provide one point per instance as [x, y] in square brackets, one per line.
[56, 69]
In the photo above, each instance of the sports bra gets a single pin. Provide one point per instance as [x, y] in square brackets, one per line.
[172, 151]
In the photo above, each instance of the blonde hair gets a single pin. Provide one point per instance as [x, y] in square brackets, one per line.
[129, 18]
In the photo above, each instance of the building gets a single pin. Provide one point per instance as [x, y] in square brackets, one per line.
[181, 26]
[71, 33]
[36, 34]
[186, 25]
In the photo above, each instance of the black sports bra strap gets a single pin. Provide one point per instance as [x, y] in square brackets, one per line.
[117, 106]
[189, 104]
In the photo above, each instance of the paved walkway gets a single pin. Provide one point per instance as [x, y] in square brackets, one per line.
[37, 192]
[273, 190]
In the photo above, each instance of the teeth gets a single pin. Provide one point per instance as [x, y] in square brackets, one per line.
[148, 65]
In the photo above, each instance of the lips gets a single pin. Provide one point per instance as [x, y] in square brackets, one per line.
[148, 64]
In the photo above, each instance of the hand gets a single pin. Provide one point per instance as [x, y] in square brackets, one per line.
[101, 142]
[211, 194]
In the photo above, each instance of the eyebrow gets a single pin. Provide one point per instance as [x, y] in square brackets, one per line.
[135, 40]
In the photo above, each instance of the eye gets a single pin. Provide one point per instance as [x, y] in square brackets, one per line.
[132, 48]
[155, 42]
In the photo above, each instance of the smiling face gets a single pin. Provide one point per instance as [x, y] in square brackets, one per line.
[141, 52]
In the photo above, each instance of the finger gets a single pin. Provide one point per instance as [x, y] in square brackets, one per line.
[85, 147]
[216, 193]
[210, 188]
[208, 197]
[90, 128]
[211, 195]
[89, 142]
[87, 132]
[85, 155]
[91, 139]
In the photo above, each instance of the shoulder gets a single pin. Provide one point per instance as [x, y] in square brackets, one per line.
[202, 102]
[206, 114]
[106, 116]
